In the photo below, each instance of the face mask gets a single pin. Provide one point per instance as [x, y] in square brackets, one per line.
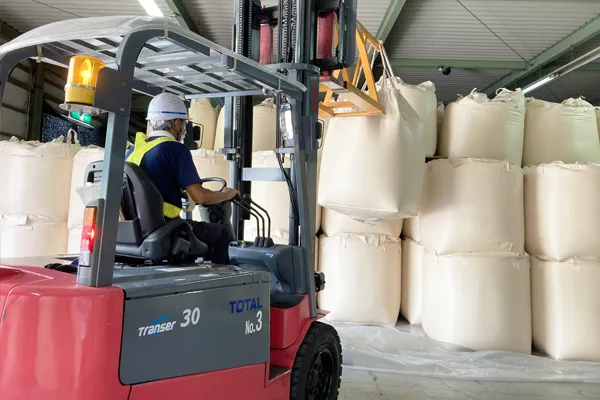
[182, 132]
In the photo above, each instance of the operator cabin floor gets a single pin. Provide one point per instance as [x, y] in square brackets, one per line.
[389, 363]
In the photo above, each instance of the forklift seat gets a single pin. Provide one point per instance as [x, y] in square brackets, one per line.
[144, 234]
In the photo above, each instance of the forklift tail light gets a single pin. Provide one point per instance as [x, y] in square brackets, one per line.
[88, 232]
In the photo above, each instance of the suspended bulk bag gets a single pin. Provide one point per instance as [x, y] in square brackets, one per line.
[566, 308]
[481, 301]
[472, 205]
[372, 167]
[82, 159]
[203, 114]
[423, 100]
[35, 178]
[412, 280]
[363, 278]
[566, 132]
[475, 126]
[25, 235]
[264, 125]
[335, 223]
[562, 210]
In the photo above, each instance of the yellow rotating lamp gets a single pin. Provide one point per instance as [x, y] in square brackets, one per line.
[80, 89]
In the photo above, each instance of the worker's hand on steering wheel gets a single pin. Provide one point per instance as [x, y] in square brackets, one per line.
[230, 193]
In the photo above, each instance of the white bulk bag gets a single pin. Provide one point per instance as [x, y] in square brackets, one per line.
[363, 278]
[372, 167]
[203, 114]
[410, 229]
[74, 242]
[423, 100]
[264, 125]
[562, 210]
[412, 281]
[480, 301]
[440, 119]
[82, 159]
[475, 126]
[566, 132]
[566, 308]
[35, 178]
[334, 223]
[210, 164]
[275, 198]
[472, 205]
[23, 235]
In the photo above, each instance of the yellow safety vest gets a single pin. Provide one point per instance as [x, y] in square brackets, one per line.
[142, 146]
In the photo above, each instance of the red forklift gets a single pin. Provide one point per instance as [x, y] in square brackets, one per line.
[140, 316]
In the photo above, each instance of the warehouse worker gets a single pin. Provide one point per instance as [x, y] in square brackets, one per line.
[168, 163]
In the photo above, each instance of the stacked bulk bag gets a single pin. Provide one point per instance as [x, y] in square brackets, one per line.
[566, 308]
[480, 301]
[440, 119]
[412, 281]
[475, 275]
[382, 155]
[475, 126]
[423, 100]
[334, 223]
[562, 229]
[472, 205]
[264, 126]
[363, 278]
[35, 182]
[562, 210]
[82, 159]
[566, 132]
[204, 115]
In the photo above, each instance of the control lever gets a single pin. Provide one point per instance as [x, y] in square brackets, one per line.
[240, 204]
[249, 200]
[249, 206]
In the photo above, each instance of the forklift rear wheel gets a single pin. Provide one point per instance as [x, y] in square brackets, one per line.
[318, 366]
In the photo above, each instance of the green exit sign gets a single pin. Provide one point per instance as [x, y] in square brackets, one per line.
[87, 118]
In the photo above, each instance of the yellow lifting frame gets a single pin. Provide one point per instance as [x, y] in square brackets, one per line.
[352, 101]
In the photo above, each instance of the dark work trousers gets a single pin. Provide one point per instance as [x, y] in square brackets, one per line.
[216, 238]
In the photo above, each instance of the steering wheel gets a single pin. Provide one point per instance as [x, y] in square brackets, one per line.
[215, 179]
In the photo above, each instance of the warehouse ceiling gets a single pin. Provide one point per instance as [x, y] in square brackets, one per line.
[488, 44]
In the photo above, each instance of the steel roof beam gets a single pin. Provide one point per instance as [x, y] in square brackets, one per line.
[575, 39]
[182, 15]
[389, 19]
[466, 64]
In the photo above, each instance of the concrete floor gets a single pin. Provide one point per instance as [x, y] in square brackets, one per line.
[364, 385]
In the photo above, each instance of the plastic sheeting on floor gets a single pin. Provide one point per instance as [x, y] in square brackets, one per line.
[406, 350]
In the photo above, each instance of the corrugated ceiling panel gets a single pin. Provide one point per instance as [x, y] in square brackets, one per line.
[531, 27]
[24, 15]
[460, 81]
[214, 19]
[371, 12]
[443, 29]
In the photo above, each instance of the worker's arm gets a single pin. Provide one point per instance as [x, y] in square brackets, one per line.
[206, 197]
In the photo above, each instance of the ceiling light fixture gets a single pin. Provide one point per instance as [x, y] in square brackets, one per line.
[151, 8]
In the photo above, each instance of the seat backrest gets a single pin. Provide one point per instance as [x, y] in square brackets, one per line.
[141, 202]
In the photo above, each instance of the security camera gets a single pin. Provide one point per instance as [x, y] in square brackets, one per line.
[445, 70]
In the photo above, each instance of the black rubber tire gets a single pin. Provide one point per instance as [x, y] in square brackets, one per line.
[320, 354]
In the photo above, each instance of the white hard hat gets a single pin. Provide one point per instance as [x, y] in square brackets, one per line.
[166, 107]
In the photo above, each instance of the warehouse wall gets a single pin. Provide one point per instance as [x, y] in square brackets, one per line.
[14, 113]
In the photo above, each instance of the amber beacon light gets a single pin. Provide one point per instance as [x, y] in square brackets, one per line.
[81, 84]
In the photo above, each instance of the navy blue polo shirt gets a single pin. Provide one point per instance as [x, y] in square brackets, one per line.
[169, 165]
